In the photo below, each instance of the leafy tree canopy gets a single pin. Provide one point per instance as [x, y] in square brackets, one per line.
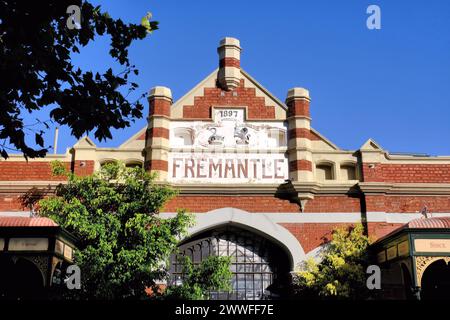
[341, 272]
[123, 244]
[36, 68]
[212, 274]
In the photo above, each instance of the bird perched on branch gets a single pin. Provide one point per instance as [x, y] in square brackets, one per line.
[145, 22]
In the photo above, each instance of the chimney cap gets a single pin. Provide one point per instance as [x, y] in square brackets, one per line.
[229, 41]
[160, 91]
[298, 93]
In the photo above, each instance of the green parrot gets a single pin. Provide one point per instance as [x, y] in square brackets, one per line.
[145, 22]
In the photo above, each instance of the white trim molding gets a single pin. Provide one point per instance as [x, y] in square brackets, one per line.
[325, 217]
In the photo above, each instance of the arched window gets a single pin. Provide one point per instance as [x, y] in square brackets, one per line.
[103, 162]
[259, 267]
[348, 172]
[324, 171]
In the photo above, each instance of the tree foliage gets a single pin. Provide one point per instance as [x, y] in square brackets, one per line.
[36, 68]
[212, 274]
[123, 243]
[341, 271]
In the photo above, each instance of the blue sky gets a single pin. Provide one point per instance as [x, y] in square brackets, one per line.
[392, 85]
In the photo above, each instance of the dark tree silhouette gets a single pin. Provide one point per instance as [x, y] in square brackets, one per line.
[36, 71]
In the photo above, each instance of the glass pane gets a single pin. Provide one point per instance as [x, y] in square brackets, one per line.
[240, 267]
[241, 281]
[250, 256]
[240, 254]
[234, 282]
[197, 255]
[258, 282]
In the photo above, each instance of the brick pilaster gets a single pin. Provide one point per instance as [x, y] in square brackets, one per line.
[157, 140]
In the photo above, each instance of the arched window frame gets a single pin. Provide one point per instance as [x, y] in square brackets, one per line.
[349, 163]
[329, 163]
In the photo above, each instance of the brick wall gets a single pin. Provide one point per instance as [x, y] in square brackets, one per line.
[40, 171]
[161, 165]
[407, 173]
[262, 204]
[229, 62]
[10, 202]
[333, 204]
[312, 235]
[158, 133]
[410, 204]
[240, 96]
[159, 107]
[303, 133]
[28, 171]
[83, 168]
[377, 230]
[246, 203]
[300, 165]
[298, 107]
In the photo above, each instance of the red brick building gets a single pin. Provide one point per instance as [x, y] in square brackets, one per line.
[262, 183]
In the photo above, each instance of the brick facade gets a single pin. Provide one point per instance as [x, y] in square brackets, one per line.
[407, 204]
[299, 108]
[312, 235]
[303, 133]
[407, 173]
[247, 203]
[333, 204]
[300, 165]
[158, 133]
[11, 202]
[392, 181]
[241, 96]
[40, 171]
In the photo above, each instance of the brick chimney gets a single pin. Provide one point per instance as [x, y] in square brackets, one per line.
[157, 140]
[299, 135]
[229, 75]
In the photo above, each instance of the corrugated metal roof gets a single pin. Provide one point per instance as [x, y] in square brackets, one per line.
[420, 223]
[429, 223]
[26, 222]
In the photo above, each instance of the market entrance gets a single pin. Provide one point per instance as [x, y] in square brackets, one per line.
[260, 267]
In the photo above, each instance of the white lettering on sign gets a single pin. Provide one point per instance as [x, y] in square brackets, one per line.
[228, 168]
[228, 149]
